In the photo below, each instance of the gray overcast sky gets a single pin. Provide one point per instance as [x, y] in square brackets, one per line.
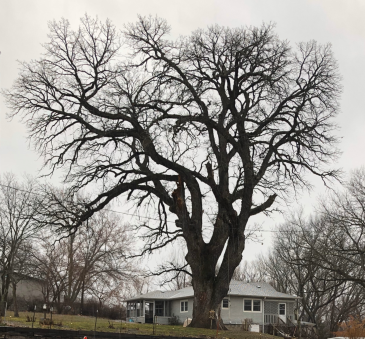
[23, 28]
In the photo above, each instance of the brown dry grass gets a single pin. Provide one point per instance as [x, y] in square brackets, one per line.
[77, 322]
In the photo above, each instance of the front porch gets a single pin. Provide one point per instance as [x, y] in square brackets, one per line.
[149, 311]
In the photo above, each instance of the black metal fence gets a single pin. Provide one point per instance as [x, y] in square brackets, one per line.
[42, 333]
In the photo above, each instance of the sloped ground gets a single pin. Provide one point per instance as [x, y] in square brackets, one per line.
[87, 324]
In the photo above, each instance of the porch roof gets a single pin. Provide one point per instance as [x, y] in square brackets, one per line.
[236, 288]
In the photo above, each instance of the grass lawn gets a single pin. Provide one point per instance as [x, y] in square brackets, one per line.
[77, 322]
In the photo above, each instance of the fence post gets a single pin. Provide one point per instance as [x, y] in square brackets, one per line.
[154, 324]
[96, 319]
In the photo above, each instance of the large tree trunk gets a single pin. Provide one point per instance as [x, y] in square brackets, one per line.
[210, 286]
[206, 299]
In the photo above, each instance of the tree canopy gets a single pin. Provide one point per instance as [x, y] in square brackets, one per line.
[221, 122]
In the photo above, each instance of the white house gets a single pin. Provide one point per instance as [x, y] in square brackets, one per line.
[257, 301]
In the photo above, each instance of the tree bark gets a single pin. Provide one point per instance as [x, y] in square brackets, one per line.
[210, 288]
[82, 297]
[204, 302]
[70, 268]
[4, 294]
[16, 312]
[207, 298]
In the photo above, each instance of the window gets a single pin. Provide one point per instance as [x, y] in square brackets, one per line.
[256, 305]
[282, 309]
[184, 306]
[247, 305]
[250, 305]
[133, 309]
[225, 303]
[159, 308]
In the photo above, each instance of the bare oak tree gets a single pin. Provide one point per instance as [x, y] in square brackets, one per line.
[221, 121]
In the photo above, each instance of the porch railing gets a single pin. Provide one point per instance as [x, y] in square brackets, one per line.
[275, 319]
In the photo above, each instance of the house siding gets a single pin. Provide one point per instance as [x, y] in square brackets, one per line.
[235, 314]
[162, 320]
[176, 311]
[29, 289]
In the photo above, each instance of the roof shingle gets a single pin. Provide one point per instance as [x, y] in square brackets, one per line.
[239, 288]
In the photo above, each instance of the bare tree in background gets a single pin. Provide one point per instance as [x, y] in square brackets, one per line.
[174, 273]
[18, 227]
[326, 298]
[23, 268]
[250, 272]
[143, 284]
[222, 122]
[49, 267]
[81, 262]
[343, 231]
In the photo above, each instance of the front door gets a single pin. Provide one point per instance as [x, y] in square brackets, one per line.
[148, 313]
[282, 312]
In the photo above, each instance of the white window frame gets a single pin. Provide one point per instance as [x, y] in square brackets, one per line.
[252, 300]
[244, 305]
[186, 303]
[225, 308]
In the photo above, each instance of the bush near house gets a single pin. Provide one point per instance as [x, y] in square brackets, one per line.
[354, 328]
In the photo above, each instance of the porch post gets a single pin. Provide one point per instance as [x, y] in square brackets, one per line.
[143, 312]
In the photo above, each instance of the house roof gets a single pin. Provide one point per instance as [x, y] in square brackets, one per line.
[238, 288]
